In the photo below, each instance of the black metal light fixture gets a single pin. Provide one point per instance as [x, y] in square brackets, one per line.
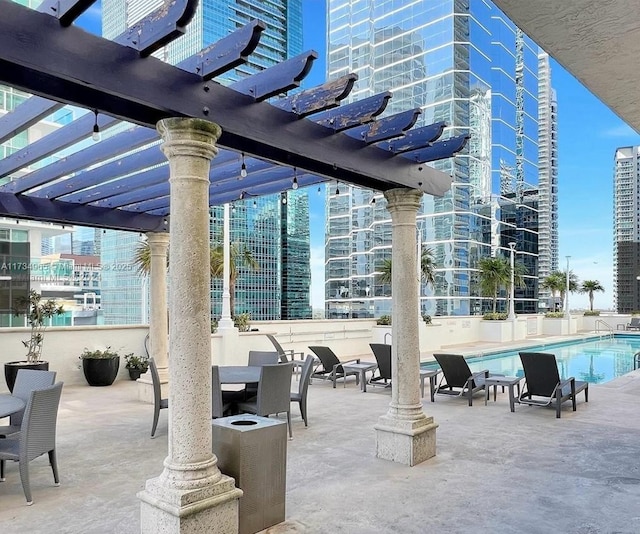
[96, 129]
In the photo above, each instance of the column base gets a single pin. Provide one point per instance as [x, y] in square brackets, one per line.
[145, 386]
[405, 442]
[212, 509]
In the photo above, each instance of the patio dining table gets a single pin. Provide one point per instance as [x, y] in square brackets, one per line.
[10, 404]
[239, 374]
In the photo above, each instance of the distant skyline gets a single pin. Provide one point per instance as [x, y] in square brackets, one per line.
[588, 135]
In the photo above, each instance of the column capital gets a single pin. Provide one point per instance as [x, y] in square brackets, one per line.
[189, 137]
[403, 198]
[158, 239]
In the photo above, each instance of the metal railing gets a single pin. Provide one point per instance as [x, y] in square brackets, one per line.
[607, 327]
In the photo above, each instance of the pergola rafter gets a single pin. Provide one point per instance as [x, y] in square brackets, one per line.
[308, 134]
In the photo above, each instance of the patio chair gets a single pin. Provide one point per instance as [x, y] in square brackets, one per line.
[303, 387]
[274, 393]
[158, 402]
[258, 358]
[457, 379]
[331, 366]
[382, 352]
[221, 401]
[27, 380]
[634, 324]
[37, 436]
[542, 381]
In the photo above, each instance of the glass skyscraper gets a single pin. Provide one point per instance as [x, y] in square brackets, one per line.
[274, 228]
[464, 63]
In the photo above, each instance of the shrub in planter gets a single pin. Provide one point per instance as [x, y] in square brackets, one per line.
[241, 322]
[592, 313]
[427, 319]
[137, 365]
[495, 316]
[100, 366]
[554, 315]
[384, 320]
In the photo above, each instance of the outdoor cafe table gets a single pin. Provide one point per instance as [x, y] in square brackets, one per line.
[10, 404]
[239, 374]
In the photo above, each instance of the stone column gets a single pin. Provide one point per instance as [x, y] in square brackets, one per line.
[405, 434]
[191, 495]
[158, 319]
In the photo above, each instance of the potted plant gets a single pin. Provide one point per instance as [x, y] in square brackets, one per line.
[100, 366]
[37, 312]
[136, 365]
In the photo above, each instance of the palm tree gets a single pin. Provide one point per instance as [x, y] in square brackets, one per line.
[239, 256]
[589, 286]
[427, 269]
[557, 283]
[494, 274]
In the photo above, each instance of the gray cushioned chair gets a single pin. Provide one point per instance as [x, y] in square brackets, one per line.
[303, 387]
[543, 386]
[382, 352]
[274, 393]
[158, 402]
[457, 379]
[37, 436]
[26, 381]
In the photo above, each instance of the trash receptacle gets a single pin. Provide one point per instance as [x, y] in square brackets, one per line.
[253, 450]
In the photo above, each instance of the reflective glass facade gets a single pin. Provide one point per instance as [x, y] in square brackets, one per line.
[276, 234]
[462, 62]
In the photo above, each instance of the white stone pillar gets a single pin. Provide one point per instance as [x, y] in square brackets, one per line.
[226, 322]
[405, 434]
[191, 495]
[158, 320]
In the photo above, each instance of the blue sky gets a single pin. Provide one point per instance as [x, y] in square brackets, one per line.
[588, 135]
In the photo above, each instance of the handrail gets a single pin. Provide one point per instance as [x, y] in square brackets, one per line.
[605, 324]
[636, 360]
[385, 337]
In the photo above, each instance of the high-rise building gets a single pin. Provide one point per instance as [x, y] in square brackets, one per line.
[548, 260]
[626, 229]
[275, 232]
[468, 65]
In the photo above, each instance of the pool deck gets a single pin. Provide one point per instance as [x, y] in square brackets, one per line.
[496, 471]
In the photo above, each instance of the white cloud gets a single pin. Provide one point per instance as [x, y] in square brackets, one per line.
[622, 130]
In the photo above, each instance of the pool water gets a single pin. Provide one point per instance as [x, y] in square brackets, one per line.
[594, 360]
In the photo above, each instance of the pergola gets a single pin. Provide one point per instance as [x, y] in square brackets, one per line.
[210, 134]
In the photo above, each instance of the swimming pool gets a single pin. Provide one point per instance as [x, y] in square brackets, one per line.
[595, 360]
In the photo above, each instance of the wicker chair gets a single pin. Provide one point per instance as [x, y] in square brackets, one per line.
[158, 402]
[457, 379]
[303, 386]
[37, 436]
[274, 393]
[26, 381]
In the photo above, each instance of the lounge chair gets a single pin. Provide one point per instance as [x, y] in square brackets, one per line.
[542, 381]
[634, 324]
[286, 354]
[331, 366]
[457, 379]
[382, 352]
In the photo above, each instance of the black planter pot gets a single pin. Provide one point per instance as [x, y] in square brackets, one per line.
[100, 371]
[134, 374]
[11, 370]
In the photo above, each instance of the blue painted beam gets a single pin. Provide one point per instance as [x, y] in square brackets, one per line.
[137, 196]
[105, 195]
[66, 11]
[160, 27]
[266, 175]
[325, 96]
[354, 114]
[27, 114]
[386, 128]
[277, 79]
[440, 150]
[225, 54]
[51, 144]
[41, 209]
[414, 138]
[95, 153]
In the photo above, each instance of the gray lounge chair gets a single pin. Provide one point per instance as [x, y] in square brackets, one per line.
[457, 379]
[158, 402]
[382, 352]
[331, 366]
[286, 355]
[37, 436]
[274, 393]
[542, 381]
[634, 324]
[26, 381]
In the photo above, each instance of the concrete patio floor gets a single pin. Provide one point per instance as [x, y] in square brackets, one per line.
[495, 471]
